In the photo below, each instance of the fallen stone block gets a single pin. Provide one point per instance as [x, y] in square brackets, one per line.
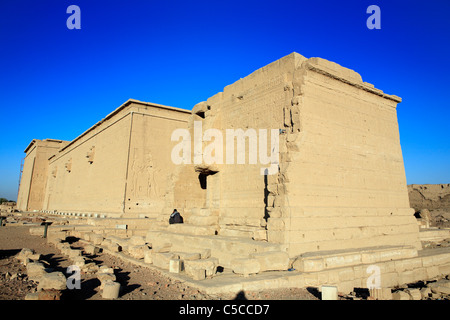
[111, 290]
[138, 252]
[175, 265]
[25, 254]
[162, 259]
[105, 269]
[245, 266]
[425, 292]
[148, 258]
[188, 256]
[96, 239]
[209, 265]
[441, 286]
[54, 280]
[90, 267]
[35, 270]
[137, 241]
[104, 278]
[272, 260]
[400, 295]
[79, 261]
[415, 294]
[92, 250]
[115, 247]
[73, 253]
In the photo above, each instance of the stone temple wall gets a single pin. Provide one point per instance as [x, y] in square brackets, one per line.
[340, 183]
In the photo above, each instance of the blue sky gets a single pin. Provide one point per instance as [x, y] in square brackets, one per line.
[56, 82]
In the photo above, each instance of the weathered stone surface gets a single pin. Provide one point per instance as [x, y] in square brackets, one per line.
[175, 265]
[208, 265]
[35, 270]
[92, 250]
[104, 278]
[245, 266]
[111, 290]
[54, 280]
[272, 260]
[162, 259]
[400, 295]
[138, 252]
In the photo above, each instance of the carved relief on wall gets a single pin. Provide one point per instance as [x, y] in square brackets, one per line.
[143, 175]
[54, 171]
[90, 154]
[68, 165]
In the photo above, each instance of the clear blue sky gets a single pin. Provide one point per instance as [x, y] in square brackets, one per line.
[56, 82]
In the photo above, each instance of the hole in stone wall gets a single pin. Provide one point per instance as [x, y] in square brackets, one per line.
[202, 180]
[201, 114]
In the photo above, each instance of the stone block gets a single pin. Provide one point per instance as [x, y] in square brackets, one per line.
[90, 267]
[400, 295]
[329, 293]
[74, 253]
[245, 266]
[308, 264]
[425, 292]
[79, 261]
[415, 294]
[53, 280]
[96, 239]
[138, 252]
[441, 287]
[111, 290]
[137, 241]
[105, 269]
[272, 260]
[25, 255]
[92, 250]
[175, 265]
[35, 270]
[148, 258]
[162, 259]
[209, 265]
[104, 278]
[188, 256]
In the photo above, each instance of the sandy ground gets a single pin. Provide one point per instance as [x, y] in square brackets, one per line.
[138, 283]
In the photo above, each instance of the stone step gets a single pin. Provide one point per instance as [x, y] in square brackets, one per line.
[323, 260]
[185, 228]
[434, 235]
[203, 220]
[223, 248]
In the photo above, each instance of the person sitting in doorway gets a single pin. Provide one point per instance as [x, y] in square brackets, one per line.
[175, 217]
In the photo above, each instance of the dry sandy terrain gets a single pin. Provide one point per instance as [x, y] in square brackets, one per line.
[138, 283]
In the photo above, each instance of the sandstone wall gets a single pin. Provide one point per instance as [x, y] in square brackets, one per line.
[120, 165]
[343, 178]
[239, 191]
[34, 176]
[341, 182]
[152, 174]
